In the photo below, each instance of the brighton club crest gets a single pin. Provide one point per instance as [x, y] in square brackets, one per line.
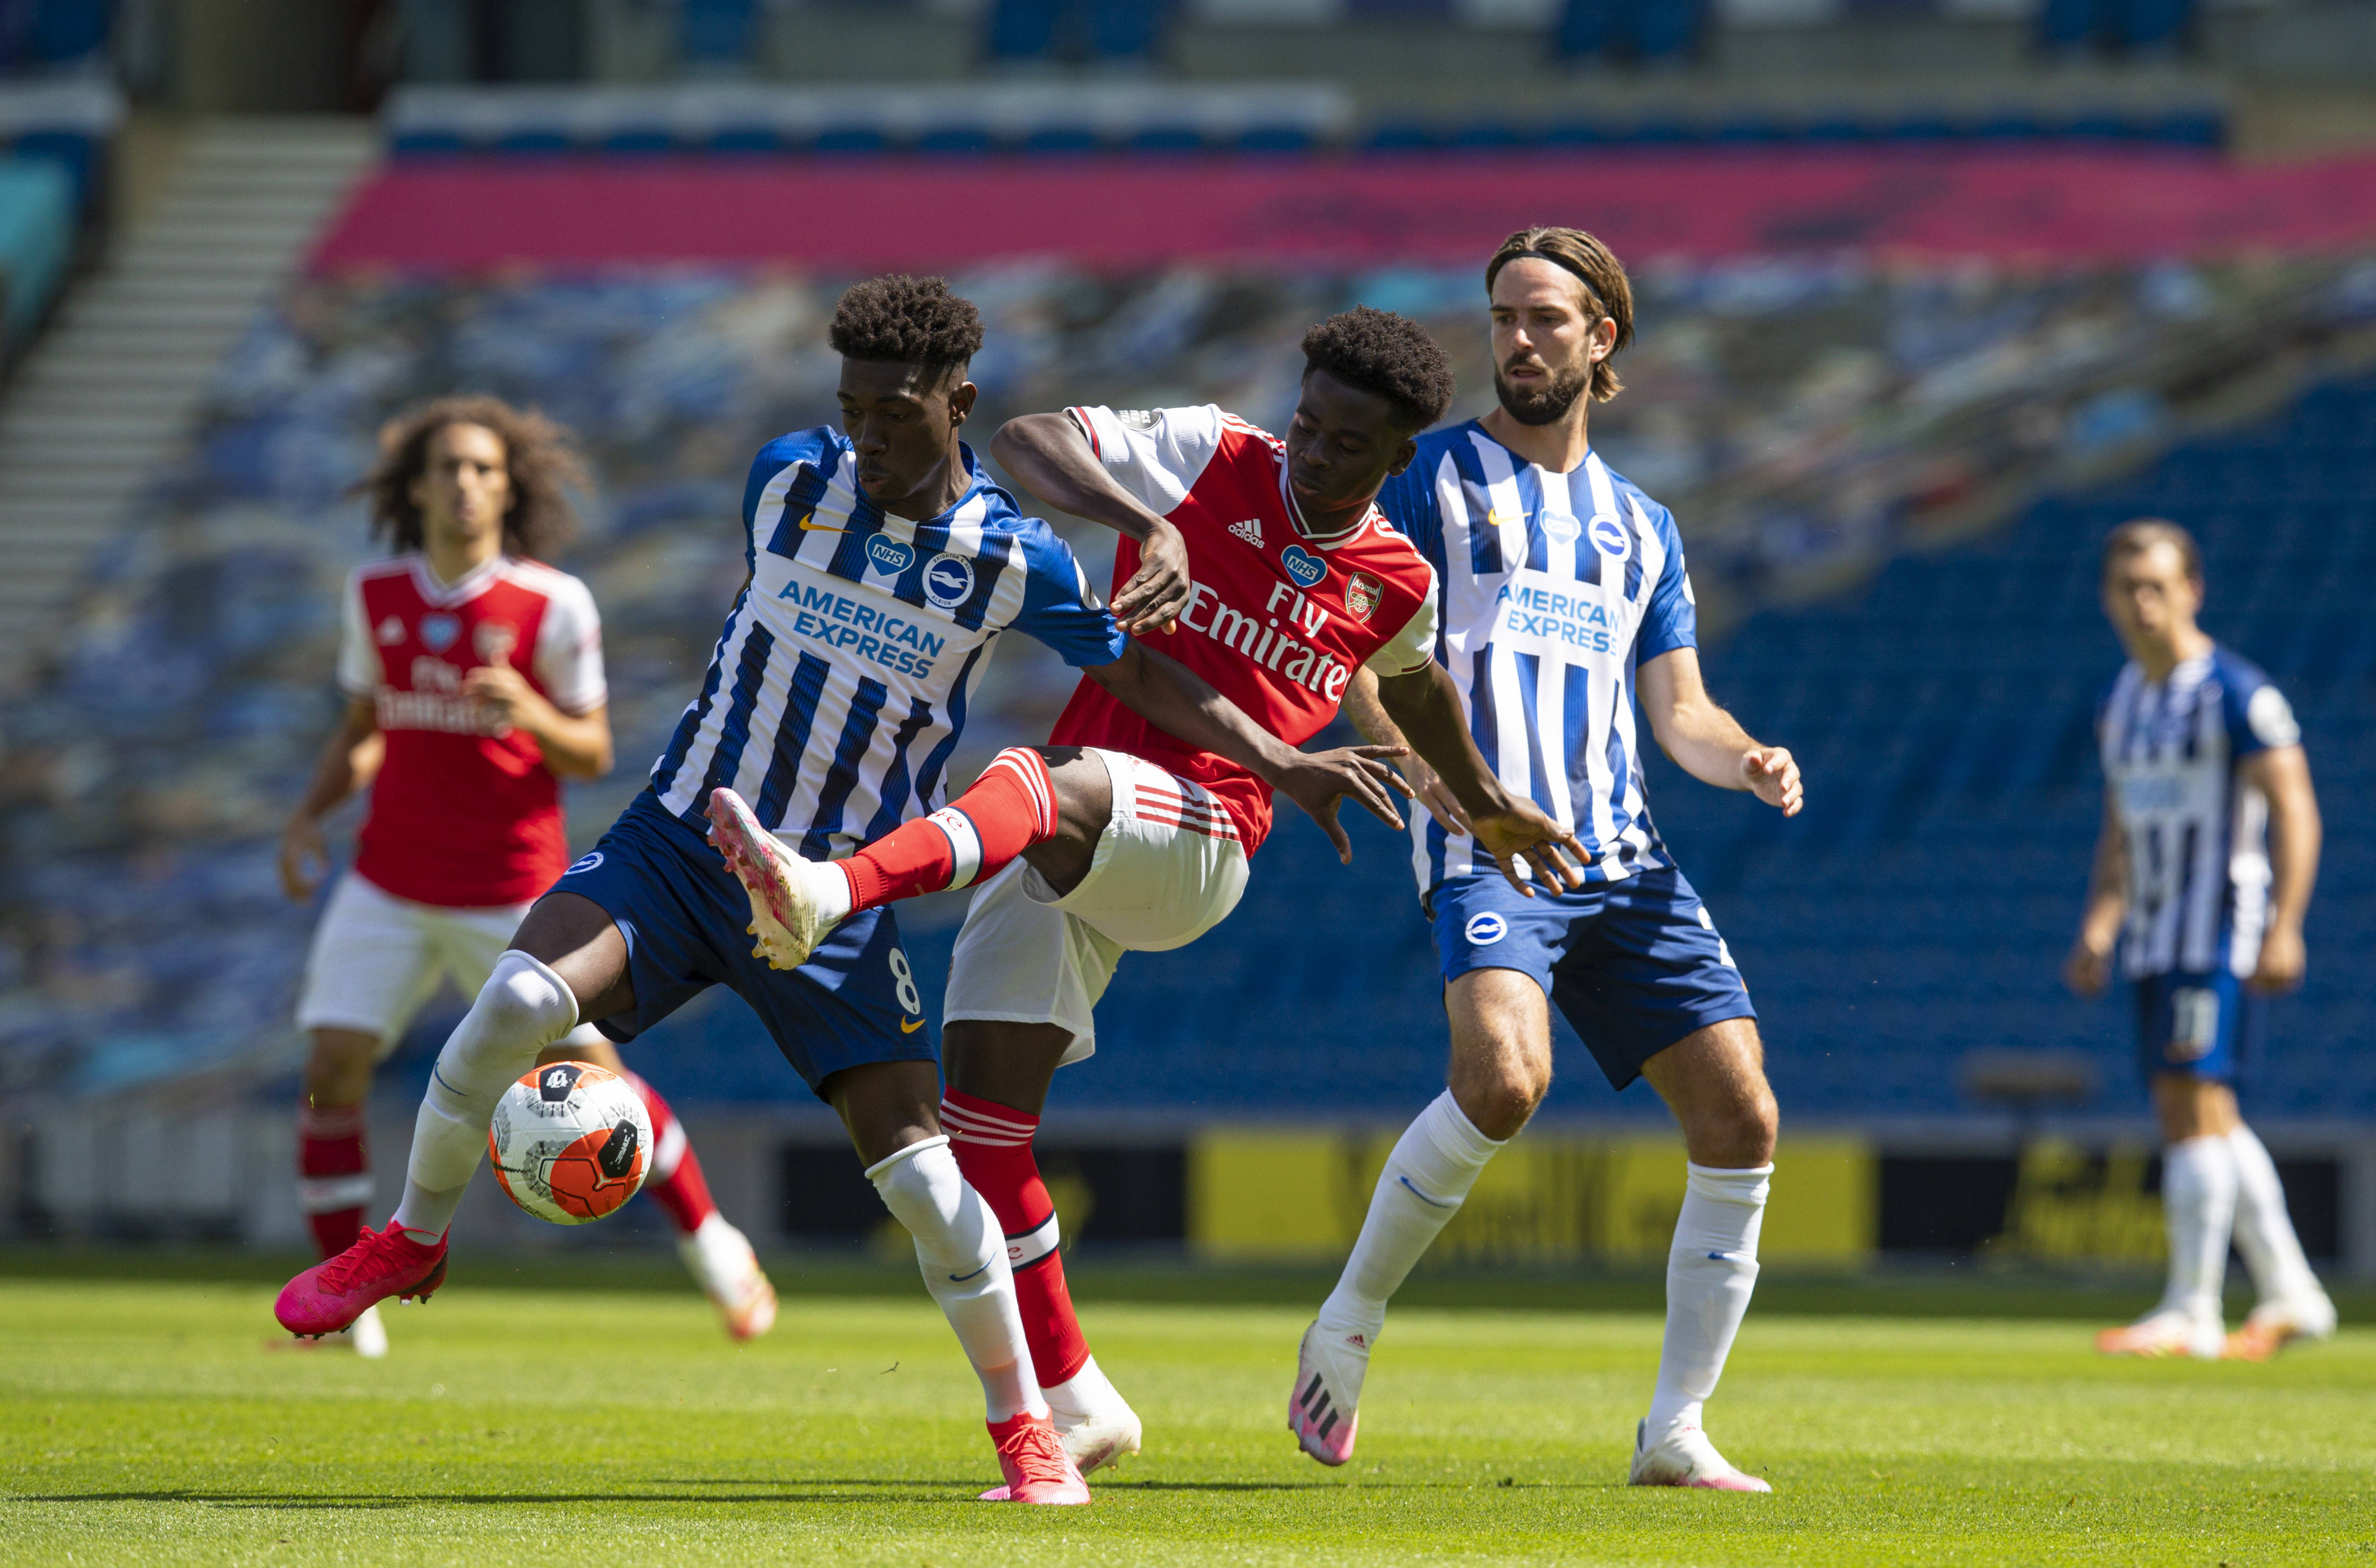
[1361, 595]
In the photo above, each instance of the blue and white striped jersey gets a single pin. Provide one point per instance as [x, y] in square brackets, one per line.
[838, 687]
[2196, 835]
[1554, 587]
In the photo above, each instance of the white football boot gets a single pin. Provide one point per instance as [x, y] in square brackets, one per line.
[1095, 1426]
[2165, 1332]
[1685, 1457]
[789, 897]
[723, 1262]
[1322, 1409]
[2275, 1324]
[368, 1334]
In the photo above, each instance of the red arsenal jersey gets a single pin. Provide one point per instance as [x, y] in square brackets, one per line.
[1279, 619]
[464, 815]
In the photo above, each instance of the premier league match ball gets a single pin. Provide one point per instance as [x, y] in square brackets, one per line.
[570, 1141]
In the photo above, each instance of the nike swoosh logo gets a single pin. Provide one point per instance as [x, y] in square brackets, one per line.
[907, 1028]
[961, 1278]
[810, 525]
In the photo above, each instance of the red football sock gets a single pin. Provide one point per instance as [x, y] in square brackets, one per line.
[675, 1182]
[994, 1150]
[333, 1174]
[1010, 807]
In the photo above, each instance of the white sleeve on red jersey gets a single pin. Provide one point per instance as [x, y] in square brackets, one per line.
[1156, 454]
[1413, 648]
[569, 647]
[359, 667]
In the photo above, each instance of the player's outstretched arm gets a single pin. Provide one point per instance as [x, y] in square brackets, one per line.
[2088, 967]
[1425, 706]
[1184, 705]
[1428, 788]
[1048, 456]
[350, 761]
[2296, 835]
[1706, 742]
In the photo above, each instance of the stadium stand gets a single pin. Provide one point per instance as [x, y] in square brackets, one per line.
[37, 235]
[147, 771]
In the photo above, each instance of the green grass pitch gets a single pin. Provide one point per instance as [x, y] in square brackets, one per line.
[147, 1422]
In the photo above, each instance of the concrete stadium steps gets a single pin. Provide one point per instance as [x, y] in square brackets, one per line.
[120, 378]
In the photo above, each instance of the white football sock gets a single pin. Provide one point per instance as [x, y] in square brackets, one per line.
[2198, 1201]
[1425, 1180]
[2264, 1231]
[1084, 1394]
[963, 1255]
[1711, 1269]
[523, 1007]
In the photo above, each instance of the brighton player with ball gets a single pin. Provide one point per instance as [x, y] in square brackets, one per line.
[883, 565]
[473, 679]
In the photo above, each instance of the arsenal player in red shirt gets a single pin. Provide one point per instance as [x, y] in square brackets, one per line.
[473, 676]
[1262, 564]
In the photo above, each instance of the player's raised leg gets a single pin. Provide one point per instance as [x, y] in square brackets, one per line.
[1713, 1081]
[568, 957]
[1013, 805]
[888, 1108]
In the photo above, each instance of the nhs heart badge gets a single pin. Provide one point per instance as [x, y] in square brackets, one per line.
[438, 631]
[1305, 570]
[1608, 536]
[890, 556]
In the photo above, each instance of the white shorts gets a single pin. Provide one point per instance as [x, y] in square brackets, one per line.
[1169, 868]
[377, 957]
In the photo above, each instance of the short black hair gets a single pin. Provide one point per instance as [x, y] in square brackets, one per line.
[1388, 354]
[905, 320]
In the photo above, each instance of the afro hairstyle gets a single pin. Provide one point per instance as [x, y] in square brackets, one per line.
[905, 320]
[1391, 355]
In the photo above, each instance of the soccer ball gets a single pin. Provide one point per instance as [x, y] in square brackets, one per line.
[570, 1141]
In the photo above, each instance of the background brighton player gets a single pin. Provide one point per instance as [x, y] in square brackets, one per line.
[2202, 877]
[473, 679]
[1563, 598]
[883, 565]
[1288, 581]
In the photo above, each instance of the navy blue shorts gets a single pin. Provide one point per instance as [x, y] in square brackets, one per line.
[1634, 965]
[2200, 1024]
[686, 921]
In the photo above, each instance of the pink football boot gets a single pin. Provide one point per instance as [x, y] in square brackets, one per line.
[329, 1295]
[1035, 1464]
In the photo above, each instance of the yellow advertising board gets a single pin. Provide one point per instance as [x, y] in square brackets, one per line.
[1297, 1195]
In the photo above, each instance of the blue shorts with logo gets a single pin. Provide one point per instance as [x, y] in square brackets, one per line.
[1634, 965]
[686, 921]
[2201, 1025]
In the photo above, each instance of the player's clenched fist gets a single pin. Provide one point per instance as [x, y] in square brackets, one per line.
[2088, 968]
[1772, 775]
[505, 695]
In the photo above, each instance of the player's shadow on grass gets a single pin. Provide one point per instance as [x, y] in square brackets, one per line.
[285, 1501]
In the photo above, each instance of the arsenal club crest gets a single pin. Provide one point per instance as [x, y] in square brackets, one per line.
[493, 641]
[1361, 595]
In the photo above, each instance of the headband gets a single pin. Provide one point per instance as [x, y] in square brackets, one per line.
[1564, 265]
